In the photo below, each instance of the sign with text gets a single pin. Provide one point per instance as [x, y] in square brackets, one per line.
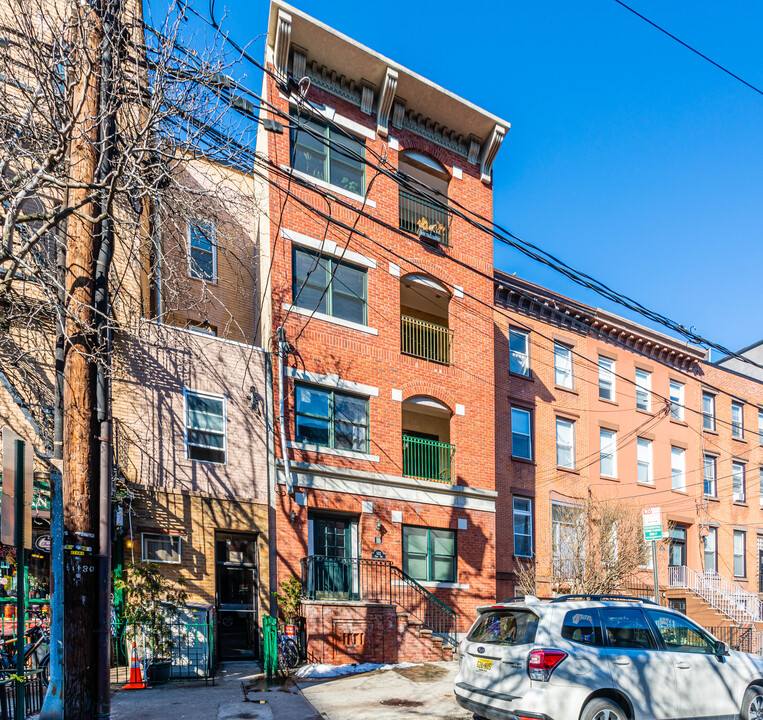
[11, 444]
[652, 518]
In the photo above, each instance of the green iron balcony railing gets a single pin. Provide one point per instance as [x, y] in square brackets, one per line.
[422, 216]
[428, 459]
[425, 340]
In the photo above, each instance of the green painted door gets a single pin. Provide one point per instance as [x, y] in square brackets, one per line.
[332, 546]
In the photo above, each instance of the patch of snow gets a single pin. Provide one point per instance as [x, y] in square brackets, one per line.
[321, 670]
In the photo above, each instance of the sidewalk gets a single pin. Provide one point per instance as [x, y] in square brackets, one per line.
[222, 701]
[421, 692]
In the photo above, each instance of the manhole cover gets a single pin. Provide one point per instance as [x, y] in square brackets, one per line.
[400, 702]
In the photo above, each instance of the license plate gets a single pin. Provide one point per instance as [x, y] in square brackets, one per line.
[484, 665]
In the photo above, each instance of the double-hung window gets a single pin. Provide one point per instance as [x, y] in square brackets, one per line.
[644, 459]
[202, 250]
[565, 443]
[205, 427]
[521, 434]
[760, 472]
[328, 286]
[332, 419]
[737, 420]
[711, 550]
[519, 352]
[643, 390]
[523, 527]
[678, 468]
[608, 452]
[429, 555]
[328, 154]
[606, 378]
[160, 548]
[760, 427]
[708, 411]
[676, 400]
[709, 475]
[563, 366]
[740, 543]
[738, 482]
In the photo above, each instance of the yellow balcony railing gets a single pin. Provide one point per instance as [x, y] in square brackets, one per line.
[425, 340]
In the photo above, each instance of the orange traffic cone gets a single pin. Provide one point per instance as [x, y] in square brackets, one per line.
[136, 674]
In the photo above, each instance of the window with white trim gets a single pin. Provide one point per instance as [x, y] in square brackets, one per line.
[202, 250]
[678, 468]
[760, 427]
[740, 546]
[606, 378]
[565, 443]
[738, 482]
[676, 400]
[205, 427]
[608, 452]
[737, 420]
[711, 550]
[708, 411]
[521, 433]
[160, 548]
[644, 460]
[709, 475]
[563, 376]
[643, 390]
[523, 527]
[760, 472]
[519, 352]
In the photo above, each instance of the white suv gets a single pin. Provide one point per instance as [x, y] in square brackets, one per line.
[601, 658]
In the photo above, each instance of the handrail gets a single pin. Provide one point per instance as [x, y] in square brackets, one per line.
[719, 592]
[428, 459]
[417, 213]
[426, 340]
[368, 580]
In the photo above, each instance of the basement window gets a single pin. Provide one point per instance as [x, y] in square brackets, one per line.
[161, 548]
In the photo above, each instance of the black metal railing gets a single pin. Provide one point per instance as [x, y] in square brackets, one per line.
[34, 693]
[379, 581]
[744, 639]
[419, 214]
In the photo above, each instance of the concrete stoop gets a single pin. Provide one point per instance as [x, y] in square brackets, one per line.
[417, 644]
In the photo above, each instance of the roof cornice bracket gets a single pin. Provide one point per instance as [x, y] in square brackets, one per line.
[489, 151]
[385, 101]
[283, 43]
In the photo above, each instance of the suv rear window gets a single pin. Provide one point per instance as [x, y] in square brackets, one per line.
[505, 627]
[583, 626]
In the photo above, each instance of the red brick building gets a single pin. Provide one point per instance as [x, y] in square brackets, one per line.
[384, 298]
[591, 404]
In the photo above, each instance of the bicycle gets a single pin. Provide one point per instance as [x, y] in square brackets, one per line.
[288, 653]
[38, 639]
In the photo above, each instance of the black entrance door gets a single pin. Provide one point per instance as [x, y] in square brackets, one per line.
[237, 586]
[677, 546]
[333, 562]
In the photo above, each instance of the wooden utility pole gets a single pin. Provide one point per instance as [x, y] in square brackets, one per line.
[80, 477]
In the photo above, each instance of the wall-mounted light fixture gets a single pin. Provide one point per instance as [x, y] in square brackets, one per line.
[378, 525]
[292, 516]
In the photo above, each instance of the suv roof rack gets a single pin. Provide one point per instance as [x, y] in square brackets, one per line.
[619, 598]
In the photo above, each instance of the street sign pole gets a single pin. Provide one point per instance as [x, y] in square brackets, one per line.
[656, 576]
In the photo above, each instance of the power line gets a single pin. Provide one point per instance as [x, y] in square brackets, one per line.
[690, 48]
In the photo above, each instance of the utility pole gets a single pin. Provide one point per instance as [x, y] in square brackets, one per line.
[80, 481]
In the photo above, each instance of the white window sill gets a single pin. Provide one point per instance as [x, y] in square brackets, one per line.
[328, 186]
[441, 585]
[332, 451]
[330, 319]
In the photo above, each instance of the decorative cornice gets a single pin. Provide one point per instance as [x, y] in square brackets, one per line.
[299, 63]
[385, 102]
[489, 151]
[367, 98]
[474, 150]
[330, 81]
[283, 43]
[398, 112]
[431, 130]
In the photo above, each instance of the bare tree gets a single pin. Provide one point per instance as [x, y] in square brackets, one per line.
[598, 548]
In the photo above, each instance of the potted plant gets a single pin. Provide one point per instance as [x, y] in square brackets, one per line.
[151, 603]
[289, 600]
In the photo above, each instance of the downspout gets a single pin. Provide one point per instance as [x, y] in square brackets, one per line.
[272, 486]
[283, 349]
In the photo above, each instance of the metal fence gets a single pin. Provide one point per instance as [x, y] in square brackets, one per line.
[745, 639]
[34, 693]
[188, 644]
[428, 459]
[425, 340]
[418, 213]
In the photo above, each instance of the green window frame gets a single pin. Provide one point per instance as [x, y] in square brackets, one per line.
[430, 554]
[331, 419]
[325, 285]
[324, 157]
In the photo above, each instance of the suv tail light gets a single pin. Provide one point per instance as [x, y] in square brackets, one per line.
[541, 663]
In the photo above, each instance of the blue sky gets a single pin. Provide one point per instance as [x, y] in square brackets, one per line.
[629, 157]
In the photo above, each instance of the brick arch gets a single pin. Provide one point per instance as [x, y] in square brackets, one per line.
[416, 143]
[423, 387]
[433, 278]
